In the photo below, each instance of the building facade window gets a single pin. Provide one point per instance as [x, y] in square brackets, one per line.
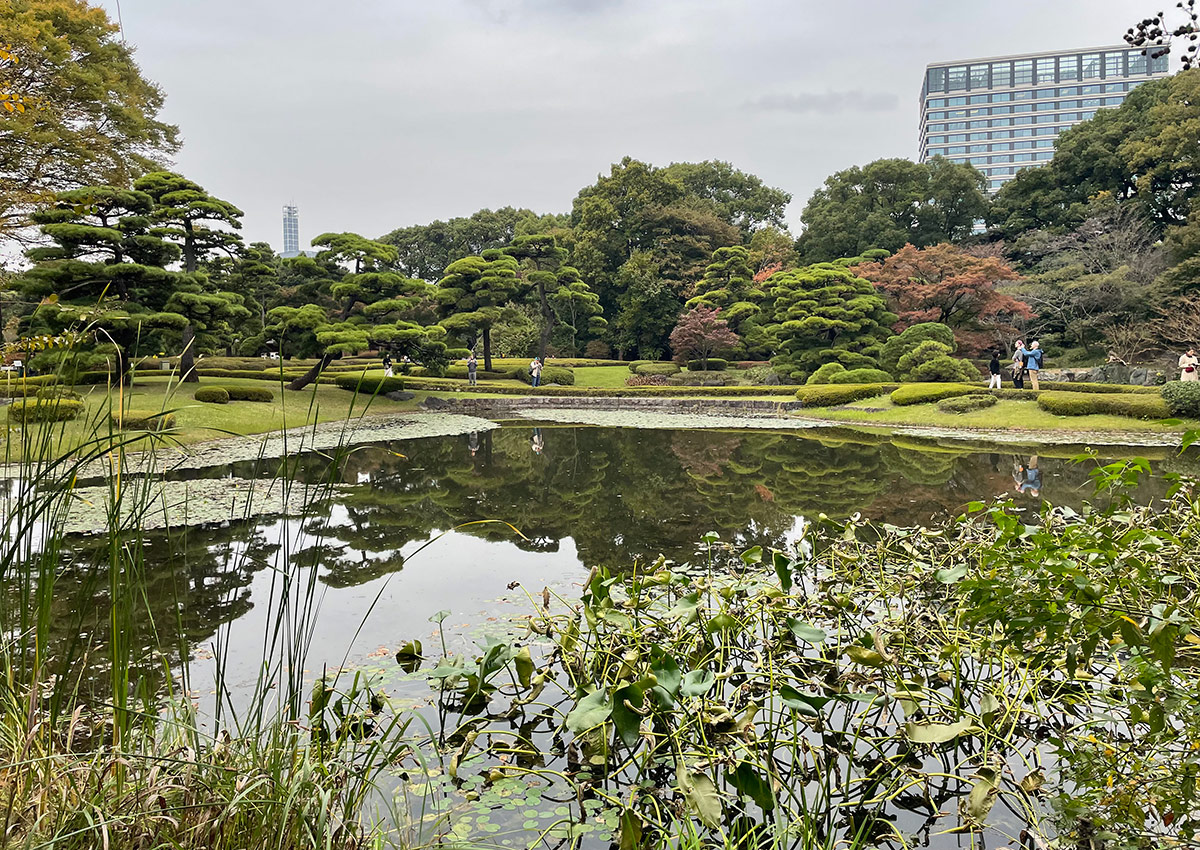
[1137, 62]
[1001, 74]
[979, 76]
[1068, 68]
[956, 77]
[1090, 66]
[1045, 70]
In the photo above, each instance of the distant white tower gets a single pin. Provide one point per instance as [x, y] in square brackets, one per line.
[291, 230]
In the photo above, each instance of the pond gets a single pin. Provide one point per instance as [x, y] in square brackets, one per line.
[479, 528]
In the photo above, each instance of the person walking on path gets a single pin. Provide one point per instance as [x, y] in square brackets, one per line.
[1018, 365]
[535, 371]
[1033, 363]
[472, 367]
[1188, 364]
[994, 369]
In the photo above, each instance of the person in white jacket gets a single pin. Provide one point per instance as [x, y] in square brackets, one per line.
[1189, 366]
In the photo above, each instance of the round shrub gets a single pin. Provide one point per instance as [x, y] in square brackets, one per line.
[58, 392]
[861, 376]
[633, 364]
[830, 395]
[1182, 398]
[943, 367]
[825, 373]
[966, 403]
[897, 346]
[458, 353]
[550, 375]
[924, 393]
[211, 395]
[715, 364]
[45, 410]
[143, 420]
[1133, 405]
[249, 394]
[652, 368]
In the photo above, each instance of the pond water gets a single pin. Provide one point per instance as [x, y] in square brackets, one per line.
[476, 526]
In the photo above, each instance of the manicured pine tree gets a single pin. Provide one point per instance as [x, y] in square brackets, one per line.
[472, 293]
[193, 219]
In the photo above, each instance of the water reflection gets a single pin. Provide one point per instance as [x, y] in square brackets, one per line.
[579, 497]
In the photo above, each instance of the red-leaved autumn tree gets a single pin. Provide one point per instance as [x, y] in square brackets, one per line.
[700, 334]
[944, 283]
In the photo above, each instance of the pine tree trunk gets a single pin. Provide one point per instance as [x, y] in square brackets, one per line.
[547, 323]
[187, 358]
[487, 349]
[312, 374]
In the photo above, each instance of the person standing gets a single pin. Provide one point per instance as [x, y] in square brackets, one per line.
[1018, 365]
[1187, 366]
[535, 371]
[472, 368]
[994, 370]
[387, 365]
[1033, 363]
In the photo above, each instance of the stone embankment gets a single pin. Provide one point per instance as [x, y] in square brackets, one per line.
[510, 406]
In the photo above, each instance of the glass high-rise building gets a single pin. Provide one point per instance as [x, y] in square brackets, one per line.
[291, 230]
[1003, 114]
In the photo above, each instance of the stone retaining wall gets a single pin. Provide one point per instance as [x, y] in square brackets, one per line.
[510, 405]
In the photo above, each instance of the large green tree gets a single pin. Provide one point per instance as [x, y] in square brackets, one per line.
[728, 285]
[825, 313]
[196, 221]
[738, 198]
[890, 203]
[1145, 152]
[473, 293]
[425, 250]
[89, 117]
[556, 288]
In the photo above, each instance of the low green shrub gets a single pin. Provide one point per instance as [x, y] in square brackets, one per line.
[657, 369]
[1182, 398]
[715, 364]
[496, 388]
[1084, 387]
[249, 364]
[460, 371]
[550, 375]
[1134, 405]
[647, 381]
[966, 403]
[633, 364]
[824, 374]
[287, 377]
[831, 395]
[58, 392]
[211, 395]
[249, 394]
[143, 420]
[45, 410]
[923, 393]
[370, 385]
[861, 376]
[28, 380]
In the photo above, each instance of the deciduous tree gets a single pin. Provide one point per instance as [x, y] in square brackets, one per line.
[89, 117]
[701, 333]
[948, 285]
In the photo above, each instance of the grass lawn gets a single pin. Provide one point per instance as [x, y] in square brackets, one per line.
[1005, 414]
[602, 376]
[196, 421]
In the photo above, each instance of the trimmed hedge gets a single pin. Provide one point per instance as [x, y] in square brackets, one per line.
[653, 368]
[1182, 398]
[45, 410]
[211, 395]
[861, 376]
[459, 371]
[1083, 387]
[550, 375]
[633, 364]
[1134, 405]
[249, 393]
[143, 420]
[922, 393]
[966, 403]
[58, 392]
[443, 386]
[324, 378]
[715, 364]
[831, 395]
[368, 385]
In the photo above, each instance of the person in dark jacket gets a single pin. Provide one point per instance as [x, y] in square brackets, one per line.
[994, 369]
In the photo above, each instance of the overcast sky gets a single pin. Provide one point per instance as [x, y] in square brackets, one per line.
[377, 114]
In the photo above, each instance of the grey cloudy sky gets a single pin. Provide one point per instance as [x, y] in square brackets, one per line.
[376, 114]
